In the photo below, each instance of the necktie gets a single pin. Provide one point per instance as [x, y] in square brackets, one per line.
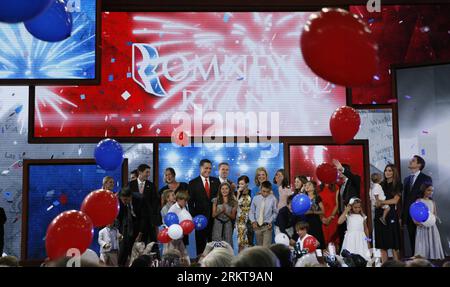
[207, 188]
[141, 187]
[261, 212]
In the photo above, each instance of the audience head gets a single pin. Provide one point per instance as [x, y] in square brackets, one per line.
[210, 246]
[416, 163]
[9, 261]
[301, 228]
[69, 262]
[108, 183]
[266, 188]
[375, 177]
[142, 261]
[182, 198]
[134, 174]
[283, 254]
[256, 256]
[261, 175]
[280, 178]
[218, 257]
[426, 190]
[125, 195]
[205, 167]
[169, 175]
[393, 263]
[446, 264]
[299, 181]
[419, 262]
[168, 195]
[144, 172]
[172, 258]
[224, 170]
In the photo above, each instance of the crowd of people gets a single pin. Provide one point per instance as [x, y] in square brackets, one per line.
[256, 215]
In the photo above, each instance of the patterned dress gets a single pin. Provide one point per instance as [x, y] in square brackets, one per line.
[242, 219]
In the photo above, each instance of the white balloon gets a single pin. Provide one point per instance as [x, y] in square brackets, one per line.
[282, 238]
[184, 215]
[431, 220]
[175, 231]
[91, 256]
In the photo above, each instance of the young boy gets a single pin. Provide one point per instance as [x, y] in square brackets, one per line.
[263, 212]
[377, 193]
[302, 230]
[181, 198]
[108, 239]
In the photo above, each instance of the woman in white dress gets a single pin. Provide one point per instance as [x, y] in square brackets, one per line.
[355, 239]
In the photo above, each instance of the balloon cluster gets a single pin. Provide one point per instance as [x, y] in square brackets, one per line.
[179, 225]
[75, 229]
[46, 20]
[420, 213]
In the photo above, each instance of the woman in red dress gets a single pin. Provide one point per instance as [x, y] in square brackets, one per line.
[329, 194]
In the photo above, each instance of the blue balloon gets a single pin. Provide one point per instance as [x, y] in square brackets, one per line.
[301, 204]
[15, 11]
[53, 25]
[109, 154]
[171, 218]
[419, 211]
[200, 222]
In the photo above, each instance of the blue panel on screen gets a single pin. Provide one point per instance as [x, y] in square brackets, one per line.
[243, 160]
[24, 57]
[57, 188]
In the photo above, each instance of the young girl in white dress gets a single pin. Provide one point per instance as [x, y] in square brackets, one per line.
[355, 239]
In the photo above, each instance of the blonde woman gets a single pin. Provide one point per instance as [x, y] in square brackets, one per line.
[108, 183]
[261, 175]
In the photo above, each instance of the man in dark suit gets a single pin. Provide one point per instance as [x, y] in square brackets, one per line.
[349, 189]
[224, 172]
[2, 230]
[128, 223]
[411, 193]
[145, 193]
[202, 190]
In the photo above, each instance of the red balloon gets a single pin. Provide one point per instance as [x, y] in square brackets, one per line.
[188, 226]
[310, 243]
[102, 206]
[70, 229]
[327, 173]
[338, 47]
[163, 236]
[344, 124]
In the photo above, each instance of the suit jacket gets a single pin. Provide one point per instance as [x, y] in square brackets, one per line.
[149, 204]
[199, 203]
[411, 193]
[352, 188]
[121, 218]
[285, 220]
[2, 222]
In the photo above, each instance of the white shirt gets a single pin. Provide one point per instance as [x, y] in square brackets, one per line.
[108, 235]
[416, 174]
[222, 180]
[204, 179]
[141, 183]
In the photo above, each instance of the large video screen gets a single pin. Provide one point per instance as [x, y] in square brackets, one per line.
[201, 73]
[24, 57]
[55, 188]
[423, 95]
[243, 159]
[304, 160]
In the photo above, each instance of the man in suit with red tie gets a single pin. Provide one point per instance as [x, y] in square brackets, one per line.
[411, 193]
[202, 190]
[146, 196]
